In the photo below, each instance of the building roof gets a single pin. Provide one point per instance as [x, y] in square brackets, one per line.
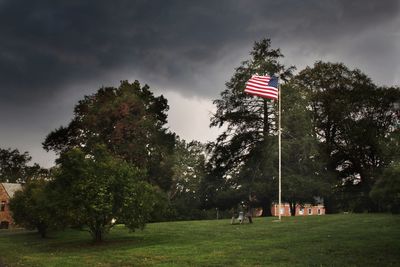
[11, 188]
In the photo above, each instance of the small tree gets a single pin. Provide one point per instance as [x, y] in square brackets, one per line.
[33, 208]
[100, 190]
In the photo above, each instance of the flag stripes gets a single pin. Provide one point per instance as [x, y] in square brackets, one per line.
[263, 86]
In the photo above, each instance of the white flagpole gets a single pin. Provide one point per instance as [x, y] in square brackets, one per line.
[279, 149]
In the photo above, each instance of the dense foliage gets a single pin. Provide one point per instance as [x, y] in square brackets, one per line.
[352, 119]
[97, 190]
[130, 122]
[35, 207]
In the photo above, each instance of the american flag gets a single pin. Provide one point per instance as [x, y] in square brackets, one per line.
[263, 86]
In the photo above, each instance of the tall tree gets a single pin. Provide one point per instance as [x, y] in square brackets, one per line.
[130, 121]
[351, 116]
[245, 150]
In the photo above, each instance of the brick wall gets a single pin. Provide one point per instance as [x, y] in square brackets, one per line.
[285, 208]
[305, 210]
[5, 216]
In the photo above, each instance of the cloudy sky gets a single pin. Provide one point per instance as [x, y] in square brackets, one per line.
[52, 53]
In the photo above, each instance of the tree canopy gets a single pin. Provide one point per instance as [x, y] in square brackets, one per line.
[129, 121]
[351, 117]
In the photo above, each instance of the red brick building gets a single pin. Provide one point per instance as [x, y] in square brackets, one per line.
[7, 191]
[301, 210]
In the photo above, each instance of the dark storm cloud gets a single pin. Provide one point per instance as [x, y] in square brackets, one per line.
[192, 47]
[47, 45]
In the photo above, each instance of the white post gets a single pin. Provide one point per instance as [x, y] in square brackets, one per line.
[279, 149]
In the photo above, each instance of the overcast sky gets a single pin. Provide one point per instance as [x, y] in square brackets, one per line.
[52, 53]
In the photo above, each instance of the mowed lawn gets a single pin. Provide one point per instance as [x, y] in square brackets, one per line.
[331, 240]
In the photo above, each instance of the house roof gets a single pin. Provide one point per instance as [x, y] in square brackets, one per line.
[11, 188]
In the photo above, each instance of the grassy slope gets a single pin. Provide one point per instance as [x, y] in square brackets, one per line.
[332, 240]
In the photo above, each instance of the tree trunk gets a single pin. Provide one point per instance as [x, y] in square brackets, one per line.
[97, 234]
[266, 202]
[292, 205]
[266, 206]
[366, 185]
[42, 229]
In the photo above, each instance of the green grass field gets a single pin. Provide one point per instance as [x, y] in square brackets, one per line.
[331, 240]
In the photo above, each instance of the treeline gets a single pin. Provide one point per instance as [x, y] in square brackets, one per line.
[340, 139]
[119, 163]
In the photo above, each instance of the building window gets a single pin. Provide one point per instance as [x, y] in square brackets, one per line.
[3, 206]
[282, 211]
[301, 211]
[309, 211]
